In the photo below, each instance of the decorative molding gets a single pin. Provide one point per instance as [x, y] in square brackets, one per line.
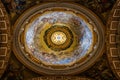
[113, 52]
[116, 13]
[113, 25]
[60, 78]
[3, 25]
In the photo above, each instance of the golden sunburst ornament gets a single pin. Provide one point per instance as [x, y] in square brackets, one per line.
[58, 38]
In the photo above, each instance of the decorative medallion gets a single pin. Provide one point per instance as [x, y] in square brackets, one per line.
[113, 39]
[4, 39]
[58, 38]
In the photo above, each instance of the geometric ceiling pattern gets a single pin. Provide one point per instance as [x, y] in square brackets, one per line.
[59, 37]
[113, 38]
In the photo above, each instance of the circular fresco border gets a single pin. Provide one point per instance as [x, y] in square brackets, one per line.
[113, 39]
[48, 70]
[5, 42]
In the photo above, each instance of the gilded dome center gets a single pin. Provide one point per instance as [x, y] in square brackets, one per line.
[58, 38]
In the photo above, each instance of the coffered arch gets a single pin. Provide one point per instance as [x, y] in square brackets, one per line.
[4, 39]
[113, 38]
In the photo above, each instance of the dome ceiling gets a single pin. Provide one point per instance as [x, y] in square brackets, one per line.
[58, 39]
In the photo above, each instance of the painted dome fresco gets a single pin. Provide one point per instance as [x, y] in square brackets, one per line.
[58, 39]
